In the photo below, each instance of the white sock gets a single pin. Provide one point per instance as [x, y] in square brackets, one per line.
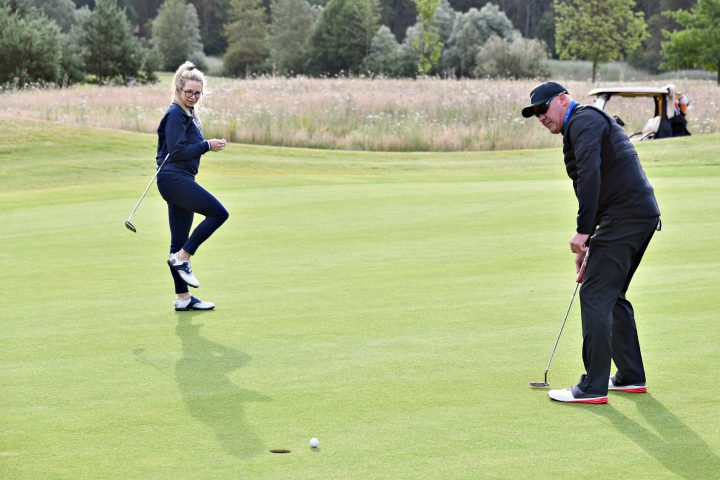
[183, 302]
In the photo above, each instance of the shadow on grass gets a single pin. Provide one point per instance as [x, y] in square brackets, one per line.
[210, 396]
[675, 445]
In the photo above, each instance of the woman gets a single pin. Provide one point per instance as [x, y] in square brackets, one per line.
[180, 138]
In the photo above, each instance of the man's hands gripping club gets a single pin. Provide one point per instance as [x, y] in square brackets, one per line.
[578, 245]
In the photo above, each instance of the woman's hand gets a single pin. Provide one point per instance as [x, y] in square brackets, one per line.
[217, 144]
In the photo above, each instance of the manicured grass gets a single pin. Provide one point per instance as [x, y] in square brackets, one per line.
[393, 305]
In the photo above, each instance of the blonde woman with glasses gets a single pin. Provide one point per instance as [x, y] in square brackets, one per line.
[181, 139]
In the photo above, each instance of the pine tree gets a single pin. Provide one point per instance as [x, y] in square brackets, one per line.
[108, 48]
[343, 36]
[30, 48]
[289, 34]
[176, 34]
[246, 35]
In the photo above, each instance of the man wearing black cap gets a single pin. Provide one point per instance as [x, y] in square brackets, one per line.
[617, 216]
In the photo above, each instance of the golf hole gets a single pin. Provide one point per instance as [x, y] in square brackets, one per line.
[279, 450]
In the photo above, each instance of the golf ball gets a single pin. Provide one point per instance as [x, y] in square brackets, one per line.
[314, 442]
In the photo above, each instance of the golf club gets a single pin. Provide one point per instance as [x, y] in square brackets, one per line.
[578, 281]
[128, 223]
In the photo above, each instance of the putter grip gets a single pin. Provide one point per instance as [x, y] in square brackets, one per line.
[582, 267]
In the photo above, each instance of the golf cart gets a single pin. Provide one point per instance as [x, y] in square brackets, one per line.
[667, 121]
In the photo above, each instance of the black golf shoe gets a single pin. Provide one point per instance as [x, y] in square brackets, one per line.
[183, 269]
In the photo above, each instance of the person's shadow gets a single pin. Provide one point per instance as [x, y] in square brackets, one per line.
[668, 439]
[208, 393]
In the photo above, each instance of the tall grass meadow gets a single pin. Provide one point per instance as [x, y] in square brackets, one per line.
[352, 113]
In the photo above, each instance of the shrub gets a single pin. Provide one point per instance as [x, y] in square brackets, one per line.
[470, 31]
[384, 54]
[522, 58]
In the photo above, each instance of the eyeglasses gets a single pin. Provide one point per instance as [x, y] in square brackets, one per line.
[190, 93]
[543, 107]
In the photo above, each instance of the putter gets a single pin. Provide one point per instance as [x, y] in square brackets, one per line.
[578, 281]
[128, 223]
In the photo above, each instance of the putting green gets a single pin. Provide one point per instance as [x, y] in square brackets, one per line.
[395, 306]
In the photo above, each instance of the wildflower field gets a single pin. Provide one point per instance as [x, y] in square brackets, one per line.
[351, 113]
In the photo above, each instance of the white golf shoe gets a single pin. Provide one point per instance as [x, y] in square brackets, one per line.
[192, 303]
[183, 269]
[575, 395]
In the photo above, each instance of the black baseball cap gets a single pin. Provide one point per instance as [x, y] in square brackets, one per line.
[542, 93]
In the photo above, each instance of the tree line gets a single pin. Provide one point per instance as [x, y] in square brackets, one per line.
[66, 41]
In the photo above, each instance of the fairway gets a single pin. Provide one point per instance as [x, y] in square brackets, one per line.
[395, 306]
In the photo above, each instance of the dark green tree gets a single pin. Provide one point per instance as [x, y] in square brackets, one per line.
[384, 57]
[293, 21]
[597, 30]
[343, 35]
[30, 46]
[213, 15]
[107, 45]
[247, 38]
[61, 12]
[648, 56]
[72, 66]
[397, 15]
[545, 30]
[176, 35]
[698, 43]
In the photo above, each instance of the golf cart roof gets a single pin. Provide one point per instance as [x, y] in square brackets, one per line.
[633, 91]
[664, 97]
[664, 105]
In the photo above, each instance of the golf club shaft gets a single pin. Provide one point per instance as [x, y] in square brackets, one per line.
[557, 340]
[578, 281]
[148, 188]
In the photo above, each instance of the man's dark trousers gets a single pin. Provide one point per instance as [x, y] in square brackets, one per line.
[608, 320]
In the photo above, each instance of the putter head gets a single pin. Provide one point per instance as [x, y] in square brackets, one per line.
[539, 384]
[130, 226]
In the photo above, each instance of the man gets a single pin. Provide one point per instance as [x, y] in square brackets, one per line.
[617, 216]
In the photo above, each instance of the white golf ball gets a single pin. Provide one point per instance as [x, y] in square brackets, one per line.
[314, 442]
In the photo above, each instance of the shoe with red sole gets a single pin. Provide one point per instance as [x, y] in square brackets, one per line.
[575, 395]
[617, 386]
